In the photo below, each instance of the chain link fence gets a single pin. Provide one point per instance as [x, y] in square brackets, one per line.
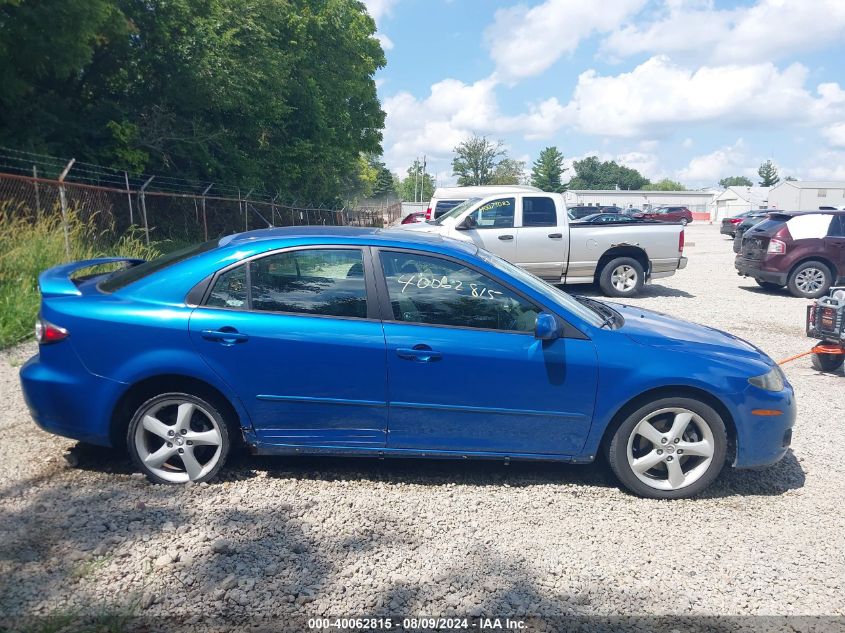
[162, 208]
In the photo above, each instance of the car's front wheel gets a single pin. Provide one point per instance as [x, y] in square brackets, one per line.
[178, 437]
[670, 448]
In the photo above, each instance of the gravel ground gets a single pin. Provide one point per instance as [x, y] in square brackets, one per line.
[277, 538]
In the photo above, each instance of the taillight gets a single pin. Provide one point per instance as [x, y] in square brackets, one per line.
[46, 332]
[681, 242]
[428, 213]
[776, 247]
[736, 220]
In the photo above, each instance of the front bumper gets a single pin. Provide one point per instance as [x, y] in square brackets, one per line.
[753, 268]
[66, 399]
[763, 440]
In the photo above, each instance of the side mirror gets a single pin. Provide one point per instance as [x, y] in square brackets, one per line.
[468, 223]
[546, 328]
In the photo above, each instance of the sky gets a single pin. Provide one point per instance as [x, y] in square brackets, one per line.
[693, 90]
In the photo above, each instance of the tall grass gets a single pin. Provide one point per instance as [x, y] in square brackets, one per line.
[29, 245]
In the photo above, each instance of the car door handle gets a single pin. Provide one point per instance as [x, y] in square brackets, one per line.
[555, 236]
[505, 238]
[225, 335]
[419, 353]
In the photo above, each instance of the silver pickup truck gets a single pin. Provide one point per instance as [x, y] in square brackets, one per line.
[533, 230]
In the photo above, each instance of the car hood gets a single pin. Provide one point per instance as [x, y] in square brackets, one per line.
[660, 330]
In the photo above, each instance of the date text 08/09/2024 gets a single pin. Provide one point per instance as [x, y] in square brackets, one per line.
[417, 624]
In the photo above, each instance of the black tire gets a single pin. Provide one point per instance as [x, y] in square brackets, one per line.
[684, 221]
[204, 418]
[768, 285]
[606, 282]
[617, 449]
[827, 362]
[810, 269]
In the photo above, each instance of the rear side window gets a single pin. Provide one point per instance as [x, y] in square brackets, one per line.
[123, 278]
[320, 281]
[444, 206]
[328, 282]
[539, 211]
[769, 225]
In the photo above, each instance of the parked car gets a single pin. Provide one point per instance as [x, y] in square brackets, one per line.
[446, 198]
[804, 251]
[581, 211]
[667, 214]
[753, 218]
[608, 218]
[434, 348]
[729, 225]
[533, 230]
[416, 216]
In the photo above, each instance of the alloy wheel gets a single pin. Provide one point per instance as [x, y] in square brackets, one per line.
[810, 280]
[670, 448]
[623, 278]
[178, 440]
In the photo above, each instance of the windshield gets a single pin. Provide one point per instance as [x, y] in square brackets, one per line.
[547, 290]
[456, 211]
[123, 278]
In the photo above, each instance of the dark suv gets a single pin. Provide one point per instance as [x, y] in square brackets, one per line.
[803, 250]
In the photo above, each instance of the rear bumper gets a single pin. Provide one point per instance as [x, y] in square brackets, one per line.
[754, 268]
[68, 400]
[728, 229]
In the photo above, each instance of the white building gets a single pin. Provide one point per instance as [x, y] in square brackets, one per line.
[735, 200]
[699, 202]
[807, 195]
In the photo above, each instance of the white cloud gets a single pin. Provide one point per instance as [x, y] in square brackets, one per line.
[386, 42]
[731, 160]
[826, 165]
[658, 95]
[526, 41]
[766, 31]
[379, 8]
[687, 142]
[451, 113]
[835, 135]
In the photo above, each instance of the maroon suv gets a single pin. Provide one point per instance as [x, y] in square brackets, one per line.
[667, 214]
[803, 250]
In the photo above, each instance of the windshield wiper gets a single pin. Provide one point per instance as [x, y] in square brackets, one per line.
[608, 315]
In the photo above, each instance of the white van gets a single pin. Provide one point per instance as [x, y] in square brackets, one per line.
[446, 198]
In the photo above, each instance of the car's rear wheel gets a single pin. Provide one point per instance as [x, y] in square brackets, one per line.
[827, 362]
[810, 280]
[622, 277]
[768, 285]
[684, 221]
[177, 437]
[670, 448]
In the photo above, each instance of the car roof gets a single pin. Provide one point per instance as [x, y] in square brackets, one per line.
[479, 191]
[352, 234]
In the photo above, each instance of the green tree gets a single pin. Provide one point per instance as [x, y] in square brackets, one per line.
[547, 172]
[790, 179]
[384, 185]
[591, 173]
[735, 181]
[475, 161]
[274, 94]
[666, 184]
[509, 171]
[768, 174]
[417, 186]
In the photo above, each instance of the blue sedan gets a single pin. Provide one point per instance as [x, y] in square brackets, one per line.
[369, 342]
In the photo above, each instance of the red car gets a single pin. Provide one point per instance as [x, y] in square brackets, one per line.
[667, 214]
[416, 216]
[804, 251]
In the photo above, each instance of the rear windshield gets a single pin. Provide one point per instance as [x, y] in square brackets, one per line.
[123, 278]
[769, 224]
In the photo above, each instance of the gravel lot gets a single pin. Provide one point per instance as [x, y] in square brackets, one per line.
[277, 538]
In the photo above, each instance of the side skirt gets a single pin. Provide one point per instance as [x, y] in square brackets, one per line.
[289, 449]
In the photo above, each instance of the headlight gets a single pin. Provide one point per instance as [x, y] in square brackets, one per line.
[770, 381]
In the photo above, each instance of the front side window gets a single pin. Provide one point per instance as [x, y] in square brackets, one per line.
[327, 282]
[496, 214]
[435, 291]
[539, 211]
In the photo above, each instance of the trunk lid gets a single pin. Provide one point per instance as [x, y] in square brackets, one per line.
[756, 240]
